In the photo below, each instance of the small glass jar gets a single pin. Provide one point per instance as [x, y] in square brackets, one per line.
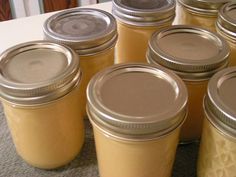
[195, 54]
[136, 111]
[202, 13]
[40, 93]
[136, 21]
[226, 27]
[91, 33]
[217, 155]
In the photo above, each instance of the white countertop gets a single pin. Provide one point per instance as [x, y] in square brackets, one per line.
[26, 29]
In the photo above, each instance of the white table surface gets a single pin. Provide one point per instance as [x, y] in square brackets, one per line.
[26, 29]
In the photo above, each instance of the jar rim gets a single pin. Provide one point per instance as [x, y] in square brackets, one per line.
[38, 91]
[203, 7]
[79, 29]
[194, 69]
[127, 123]
[144, 17]
[225, 24]
[219, 107]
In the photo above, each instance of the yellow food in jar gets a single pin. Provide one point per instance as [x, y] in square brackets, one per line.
[41, 98]
[217, 155]
[136, 112]
[137, 20]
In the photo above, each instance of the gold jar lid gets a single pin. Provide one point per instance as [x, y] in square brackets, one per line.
[144, 13]
[203, 7]
[220, 101]
[191, 52]
[137, 101]
[226, 21]
[37, 72]
[86, 30]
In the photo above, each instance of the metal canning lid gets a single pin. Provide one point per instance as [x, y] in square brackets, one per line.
[137, 100]
[203, 7]
[85, 30]
[220, 102]
[37, 72]
[191, 52]
[226, 22]
[144, 12]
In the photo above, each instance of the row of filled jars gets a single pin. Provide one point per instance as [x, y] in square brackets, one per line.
[137, 110]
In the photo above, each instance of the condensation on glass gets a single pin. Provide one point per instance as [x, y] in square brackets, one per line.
[217, 155]
[136, 111]
[137, 20]
[92, 33]
[202, 13]
[40, 93]
[226, 27]
[195, 54]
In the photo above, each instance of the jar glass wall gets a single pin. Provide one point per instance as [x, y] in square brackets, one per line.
[199, 13]
[92, 33]
[136, 111]
[41, 96]
[217, 156]
[194, 54]
[136, 23]
[226, 27]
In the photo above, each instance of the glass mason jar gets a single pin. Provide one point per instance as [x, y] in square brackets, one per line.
[136, 111]
[226, 27]
[40, 93]
[194, 54]
[136, 21]
[202, 13]
[92, 33]
[217, 155]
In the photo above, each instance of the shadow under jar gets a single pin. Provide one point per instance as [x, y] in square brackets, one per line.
[194, 54]
[40, 93]
[136, 111]
[226, 27]
[217, 155]
[91, 33]
[136, 21]
[201, 13]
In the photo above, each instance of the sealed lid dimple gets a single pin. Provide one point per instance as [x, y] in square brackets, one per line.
[137, 99]
[221, 99]
[35, 66]
[204, 7]
[137, 94]
[37, 72]
[188, 49]
[144, 12]
[226, 21]
[81, 28]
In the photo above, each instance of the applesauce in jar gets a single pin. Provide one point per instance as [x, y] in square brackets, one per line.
[136, 111]
[226, 27]
[40, 93]
[217, 156]
[194, 54]
[201, 13]
[136, 21]
[92, 33]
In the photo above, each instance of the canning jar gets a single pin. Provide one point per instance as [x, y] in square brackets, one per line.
[91, 33]
[136, 111]
[217, 155]
[226, 27]
[136, 21]
[40, 93]
[195, 54]
[202, 13]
